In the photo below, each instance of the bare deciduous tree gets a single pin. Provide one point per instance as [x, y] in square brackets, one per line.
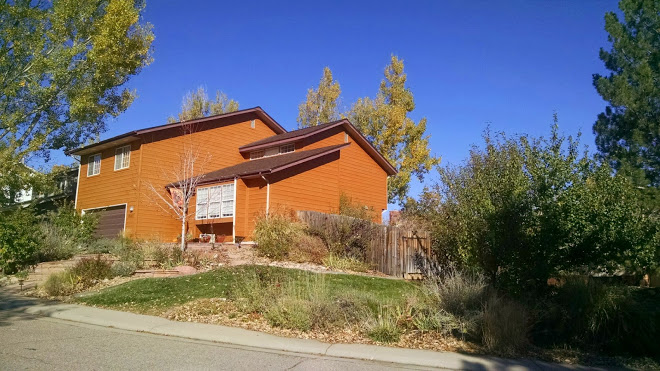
[187, 173]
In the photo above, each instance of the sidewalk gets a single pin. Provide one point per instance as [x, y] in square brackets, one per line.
[12, 304]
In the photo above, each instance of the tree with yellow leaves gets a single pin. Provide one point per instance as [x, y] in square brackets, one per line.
[196, 104]
[321, 104]
[385, 123]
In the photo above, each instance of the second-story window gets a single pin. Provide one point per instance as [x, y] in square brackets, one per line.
[287, 148]
[256, 154]
[122, 157]
[94, 164]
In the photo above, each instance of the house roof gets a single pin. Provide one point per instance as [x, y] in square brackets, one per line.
[266, 165]
[132, 135]
[296, 135]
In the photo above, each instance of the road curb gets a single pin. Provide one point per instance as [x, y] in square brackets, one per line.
[242, 337]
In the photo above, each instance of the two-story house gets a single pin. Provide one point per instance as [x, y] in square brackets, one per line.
[252, 165]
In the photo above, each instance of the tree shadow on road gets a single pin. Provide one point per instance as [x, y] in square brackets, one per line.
[14, 307]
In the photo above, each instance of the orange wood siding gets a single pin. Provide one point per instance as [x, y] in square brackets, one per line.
[313, 185]
[216, 143]
[360, 177]
[110, 186]
[255, 205]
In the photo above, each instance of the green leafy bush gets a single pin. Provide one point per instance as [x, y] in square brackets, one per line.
[74, 225]
[19, 241]
[522, 210]
[276, 233]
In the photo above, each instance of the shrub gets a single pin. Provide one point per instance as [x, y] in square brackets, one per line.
[61, 284]
[275, 233]
[505, 326]
[383, 328]
[308, 249]
[611, 318]
[126, 250]
[123, 269]
[166, 256]
[451, 304]
[523, 209]
[353, 209]
[18, 240]
[346, 237]
[290, 313]
[101, 246]
[457, 292]
[73, 225]
[90, 271]
[54, 245]
[345, 263]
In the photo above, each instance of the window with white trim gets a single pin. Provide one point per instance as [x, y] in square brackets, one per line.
[256, 154]
[94, 164]
[215, 202]
[122, 157]
[287, 148]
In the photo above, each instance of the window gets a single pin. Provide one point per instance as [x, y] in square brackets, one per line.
[122, 157]
[94, 165]
[215, 202]
[256, 154]
[252, 124]
[345, 137]
[287, 148]
[272, 151]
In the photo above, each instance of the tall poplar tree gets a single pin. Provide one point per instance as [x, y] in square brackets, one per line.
[196, 104]
[62, 67]
[628, 132]
[321, 103]
[384, 121]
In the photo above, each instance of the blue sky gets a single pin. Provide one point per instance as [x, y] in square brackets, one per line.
[469, 63]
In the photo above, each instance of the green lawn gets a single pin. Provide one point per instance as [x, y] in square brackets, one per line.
[155, 295]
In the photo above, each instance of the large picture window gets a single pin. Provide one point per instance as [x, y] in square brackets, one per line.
[215, 202]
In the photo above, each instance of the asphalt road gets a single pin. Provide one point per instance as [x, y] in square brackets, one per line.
[38, 343]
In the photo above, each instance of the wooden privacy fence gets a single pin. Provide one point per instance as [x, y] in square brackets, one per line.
[391, 250]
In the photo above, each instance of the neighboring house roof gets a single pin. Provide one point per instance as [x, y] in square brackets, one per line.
[132, 135]
[296, 135]
[266, 165]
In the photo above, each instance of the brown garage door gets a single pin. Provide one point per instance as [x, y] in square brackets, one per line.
[111, 220]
